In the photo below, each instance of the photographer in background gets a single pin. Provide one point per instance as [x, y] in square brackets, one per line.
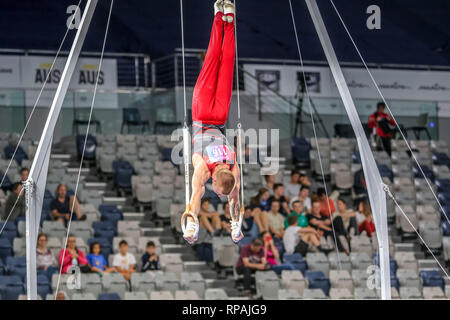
[381, 121]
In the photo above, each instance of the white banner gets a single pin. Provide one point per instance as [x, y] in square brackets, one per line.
[395, 84]
[10, 72]
[34, 71]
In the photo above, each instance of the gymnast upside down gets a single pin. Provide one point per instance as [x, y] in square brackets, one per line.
[212, 155]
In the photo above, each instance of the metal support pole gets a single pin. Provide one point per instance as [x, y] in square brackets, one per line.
[374, 182]
[35, 185]
[153, 70]
[175, 69]
[136, 71]
[259, 101]
[146, 64]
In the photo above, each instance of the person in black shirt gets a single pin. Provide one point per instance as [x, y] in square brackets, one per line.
[62, 205]
[278, 194]
[150, 260]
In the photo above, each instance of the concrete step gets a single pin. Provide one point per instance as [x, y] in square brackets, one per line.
[114, 200]
[153, 232]
[404, 247]
[176, 248]
[133, 216]
[195, 266]
[95, 185]
[72, 170]
[60, 156]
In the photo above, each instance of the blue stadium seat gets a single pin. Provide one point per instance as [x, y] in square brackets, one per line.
[445, 228]
[44, 286]
[9, 232]
[6, 249]
[20, 154]
[443, 185]
[432, 278]
[123, 171]
[392, 262]
[441, 158]
[318, 280]
[300, 151]
[11, 287]
[444, 198]
[395, 283]
[244, 241]
[386, 172]
[7, 184]
[2, 268]
[110, 213]
[356, 157]
[17, 266]
[108, 296]
[91, 146]
[296, 259]
[426, 170]
[48, 198]
[104, 229]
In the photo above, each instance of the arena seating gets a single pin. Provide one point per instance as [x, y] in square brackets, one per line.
[144, 202]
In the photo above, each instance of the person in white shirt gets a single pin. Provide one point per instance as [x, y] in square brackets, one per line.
[303, 197]
[124, 262]
[292, 188]
[293, 234]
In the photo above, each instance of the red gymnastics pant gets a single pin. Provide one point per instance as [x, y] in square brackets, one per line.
[212, 92]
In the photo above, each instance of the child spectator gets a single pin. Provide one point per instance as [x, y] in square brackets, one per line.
[97, 261]
[150, 260]
[124, 262]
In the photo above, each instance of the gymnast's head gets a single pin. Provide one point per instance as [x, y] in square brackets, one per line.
[223, 182]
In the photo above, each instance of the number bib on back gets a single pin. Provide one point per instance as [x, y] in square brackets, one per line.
[219, 153]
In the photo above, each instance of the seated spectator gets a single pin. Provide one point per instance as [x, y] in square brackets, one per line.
[278, 194]
[251, 259]
[299, 240]
[255, 221]
[24, 174]
[293, 187]
[225, 219]
[298, 212]
[269, 183]
[344, 219]
[304, 180]
[323, 225]
[273, 255]
[45, 260]
[61, 296]
[62, 205]
[367, 225]
[325, 206]
[303, 196]
[124, 262]
[360, 217]
[150, 260]
[96, 260]
[73, 257]
[209, 220]
[15, 205]
[261, 200]
[276, 220]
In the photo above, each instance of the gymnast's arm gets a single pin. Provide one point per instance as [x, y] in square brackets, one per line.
[233, 197]
[199, 178]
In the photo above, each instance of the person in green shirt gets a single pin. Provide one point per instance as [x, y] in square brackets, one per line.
[298, 211]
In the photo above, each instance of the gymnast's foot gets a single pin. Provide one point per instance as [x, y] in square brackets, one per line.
[228, 10]
[218, 6]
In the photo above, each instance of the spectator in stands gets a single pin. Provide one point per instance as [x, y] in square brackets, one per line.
[293, 186]
[150, 260]
[379, 121]
[45, 260]
[15, 205]
[299, 239]
[272, 254]
[325, 206]
[96, 260]
[299, 212]
[24, 174]
[345, 219]
[261, 200]
[62, 295]
[278, 195]
[304, 180]
[251, 259]
[322, 224]
[209, 220]
[269, 183]
[73, 257]
[360, 217]
[276, 220]
[62, 205]
[124, 262]
[225, 219]
[367, 225]
[303, 197]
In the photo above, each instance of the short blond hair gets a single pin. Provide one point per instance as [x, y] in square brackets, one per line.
[225, 180]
